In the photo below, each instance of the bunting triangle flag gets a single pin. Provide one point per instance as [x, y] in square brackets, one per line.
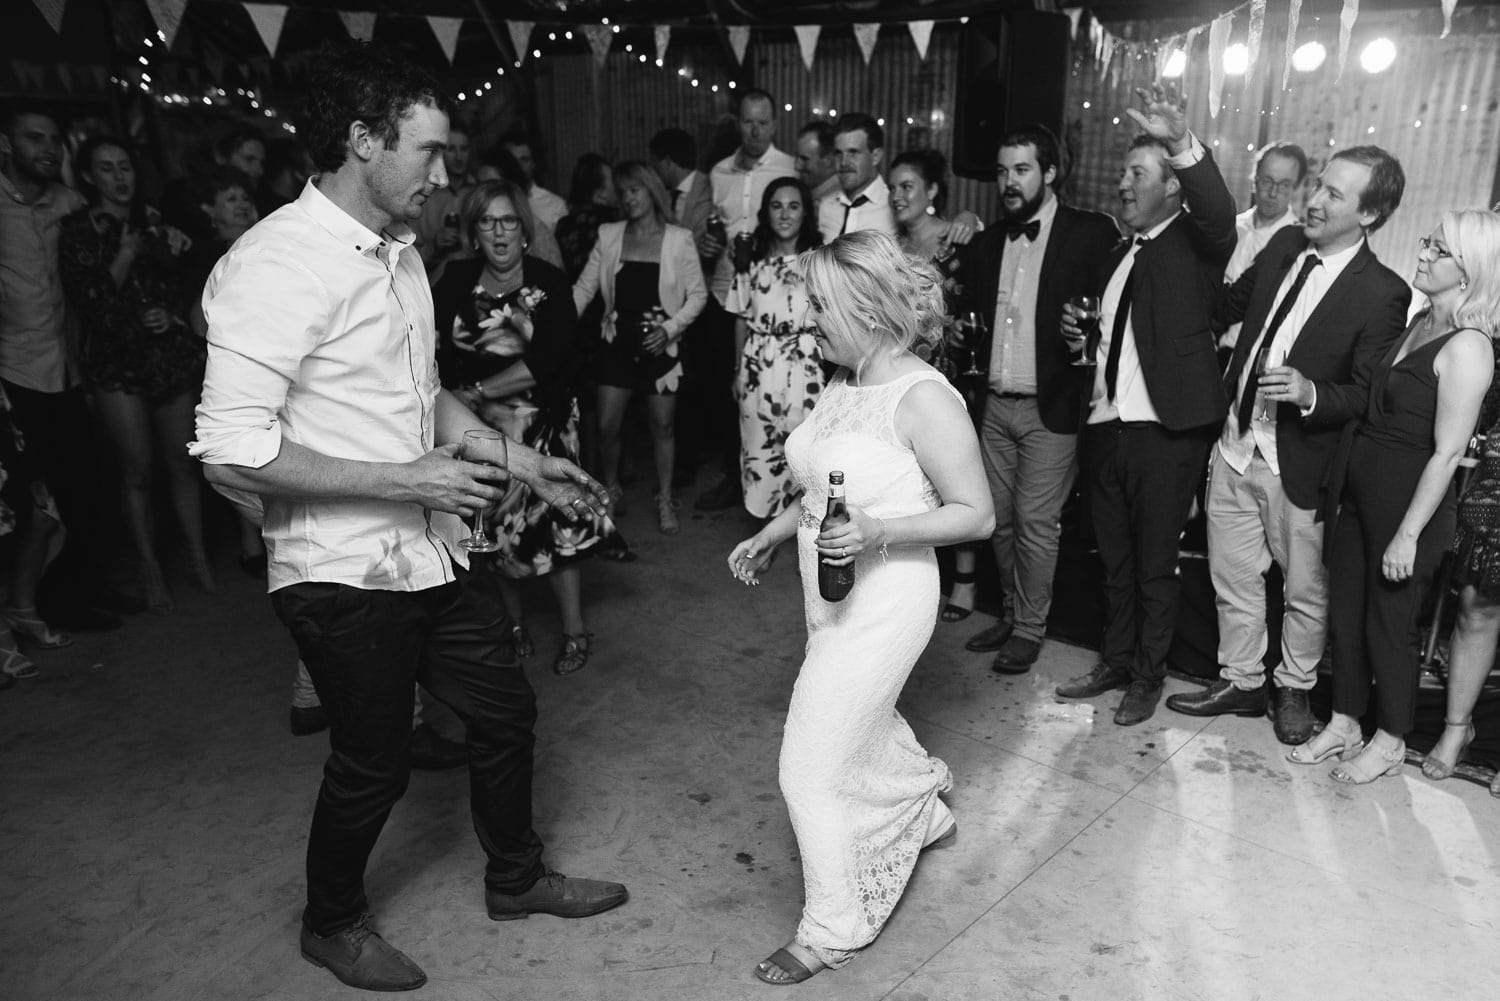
[445, 30]
[600, 39]
[807, 41]
[52, 10]
[739, 40]
[663, 36]
[1218, 41]
[1347, 17]
[1294, 11]
[520, 37]
[268, 18]
[865, 35]
[1252, 43]
[1164, 52]
[1448, 6]
[921, 33]
[168, 17]
[359, 23]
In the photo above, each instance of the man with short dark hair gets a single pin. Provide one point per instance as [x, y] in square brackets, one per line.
[546, 207]
[863, 200]
[322, 396]
[1020, 272]
[674, 156]
[816, 165]
[1319, 313]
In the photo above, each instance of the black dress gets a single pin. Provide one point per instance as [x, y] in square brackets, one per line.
[621, 361]
[1476, 545]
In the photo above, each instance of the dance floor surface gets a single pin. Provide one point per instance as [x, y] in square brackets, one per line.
[153, 811]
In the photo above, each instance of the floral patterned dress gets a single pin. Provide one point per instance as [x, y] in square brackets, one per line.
[117, 351]
[779, 380]
[480, 335]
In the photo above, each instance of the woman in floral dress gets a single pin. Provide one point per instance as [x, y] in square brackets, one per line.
[780, 371]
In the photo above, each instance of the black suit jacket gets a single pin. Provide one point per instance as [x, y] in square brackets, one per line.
[1077, 246]
[1178, 278]
[1354, 325]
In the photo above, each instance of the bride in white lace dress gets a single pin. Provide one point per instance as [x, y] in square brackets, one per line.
[862, 793]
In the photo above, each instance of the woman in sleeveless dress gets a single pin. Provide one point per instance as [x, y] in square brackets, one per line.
[1469, 245]
[862, 793]
[1396, 516]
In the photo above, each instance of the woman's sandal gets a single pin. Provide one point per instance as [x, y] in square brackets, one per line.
[1436, 768]
[1317, 750]
[13, 665]
[783, 961]
[521, 639]
[27, 624]
[947, 839]
[957, 613]
[1495, 784]
[1371, 765]
[574, 654]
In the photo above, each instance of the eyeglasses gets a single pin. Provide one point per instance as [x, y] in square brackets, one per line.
[1431, 248]
[507, 223]
[1271, 187]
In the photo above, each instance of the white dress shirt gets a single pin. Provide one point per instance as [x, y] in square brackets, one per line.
[873, 213]
[1235, 446]
[1013, 356]
[320, 332]
[1250, 240]
[546, 207]
[737, 195]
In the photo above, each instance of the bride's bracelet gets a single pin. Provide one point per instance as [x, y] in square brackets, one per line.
[884, 552]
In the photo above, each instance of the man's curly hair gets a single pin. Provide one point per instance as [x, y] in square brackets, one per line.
[361, 82]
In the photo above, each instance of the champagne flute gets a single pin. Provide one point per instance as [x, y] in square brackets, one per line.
[971, 326]
[1087, 307]
[1263, 364]
[487, 447]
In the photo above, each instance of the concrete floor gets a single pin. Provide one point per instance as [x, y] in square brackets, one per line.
[153, 809]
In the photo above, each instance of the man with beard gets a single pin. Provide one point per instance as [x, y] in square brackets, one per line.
[1017, 275]
[40, 380]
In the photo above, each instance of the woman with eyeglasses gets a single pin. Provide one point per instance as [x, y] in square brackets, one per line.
[1396, 511]
[505, 323]
[1474, 243]
[646, 272]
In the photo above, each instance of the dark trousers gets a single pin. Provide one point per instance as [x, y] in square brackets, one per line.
[364, 649]
[1140, 479]
[708, 420]
[1372, 621]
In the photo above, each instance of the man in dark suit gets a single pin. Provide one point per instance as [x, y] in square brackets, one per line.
[674, 157]
[1157, 399]
[1017, 275]
[1319, 313]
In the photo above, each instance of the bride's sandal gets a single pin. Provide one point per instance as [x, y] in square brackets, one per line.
[1323, 745]
[784, 967]
[27, 624]
[954, 611]
[1437, 768]
[1370, 765]
[13, 663]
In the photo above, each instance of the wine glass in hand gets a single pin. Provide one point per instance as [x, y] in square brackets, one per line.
[1266, 413]
[971, 326]
[1086, 309]
[487, 447]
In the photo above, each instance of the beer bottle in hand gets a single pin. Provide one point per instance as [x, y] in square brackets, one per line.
[835, 583]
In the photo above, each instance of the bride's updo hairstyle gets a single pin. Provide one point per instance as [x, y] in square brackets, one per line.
[873, 293]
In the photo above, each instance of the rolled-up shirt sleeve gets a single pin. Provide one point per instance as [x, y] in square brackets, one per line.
[265, 315]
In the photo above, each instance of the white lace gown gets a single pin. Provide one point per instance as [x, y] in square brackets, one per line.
[860, 790]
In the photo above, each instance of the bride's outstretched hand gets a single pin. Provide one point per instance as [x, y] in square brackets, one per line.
[860, 534]
[748, 559]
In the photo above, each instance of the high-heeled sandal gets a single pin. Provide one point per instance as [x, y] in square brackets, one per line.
[27, 624]
[521, 639]
[957, 613]
[1358, 772]
[574, 654]
[14, 664]
[1495, 784]
[202, 571]
[1436, 768]
[154, 589]
[1317, 750]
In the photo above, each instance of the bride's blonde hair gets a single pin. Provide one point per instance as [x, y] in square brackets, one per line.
[873, 293]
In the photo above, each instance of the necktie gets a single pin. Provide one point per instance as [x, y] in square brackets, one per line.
[1117, 335]
[1247, 398]
[850, 207]
[1015, 231]
[676, 196]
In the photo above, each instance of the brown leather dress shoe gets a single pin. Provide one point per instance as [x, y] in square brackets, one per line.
[361, 958]
[991, 639]
[1016, 656]
[1139, 703]
[1221, 699]
[1101, 679]
[556, 894]
[1294, 721]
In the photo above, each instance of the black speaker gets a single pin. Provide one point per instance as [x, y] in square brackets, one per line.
[1012, 70]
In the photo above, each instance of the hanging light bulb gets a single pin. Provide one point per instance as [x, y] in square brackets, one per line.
[1309, 57]
[1378, 55]
[1236, 59]
[1176, 65]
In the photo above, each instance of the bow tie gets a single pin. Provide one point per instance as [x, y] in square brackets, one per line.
[1014, 231]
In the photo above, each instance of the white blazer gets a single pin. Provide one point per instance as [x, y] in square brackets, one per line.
[680, 287]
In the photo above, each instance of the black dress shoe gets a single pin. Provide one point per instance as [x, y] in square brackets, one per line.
[991, 639]
[309, 720]
[1139, 703]
[1016, 656]
[361, 958]
[1221, 699]
[727, 494]
[432, 752]
[1294, 721]
[1100, 679]
[556, 894]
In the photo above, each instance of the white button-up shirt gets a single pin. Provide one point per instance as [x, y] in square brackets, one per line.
[1250, 240]
[1235, 446]
[1013, 357]
[873, 213]
[320, 332]
[737, 194]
